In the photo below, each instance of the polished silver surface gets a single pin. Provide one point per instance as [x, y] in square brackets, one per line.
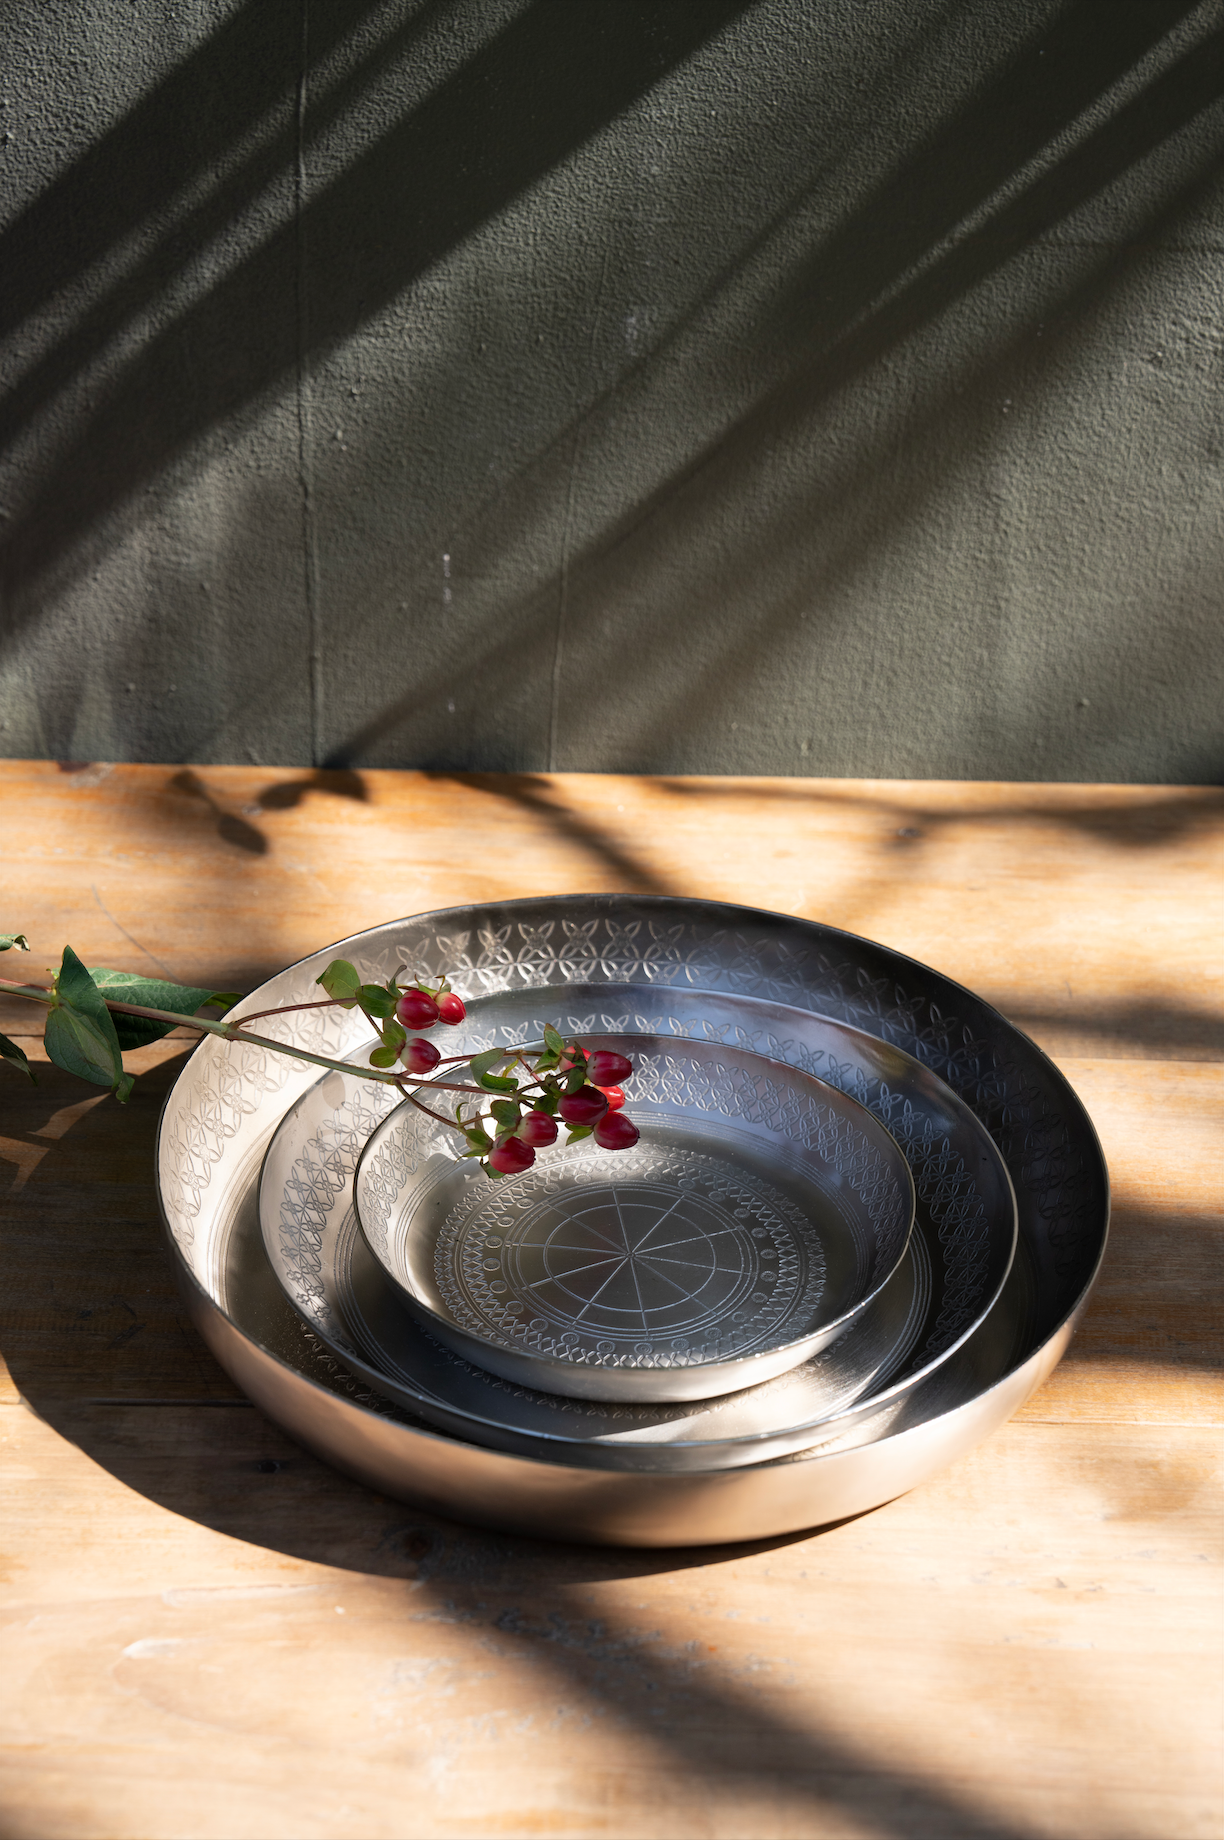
[760, 1213]
[223, 1109]
[965, 1236]
[344, 1296]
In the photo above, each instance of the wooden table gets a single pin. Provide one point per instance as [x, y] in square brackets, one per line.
[207, 1632]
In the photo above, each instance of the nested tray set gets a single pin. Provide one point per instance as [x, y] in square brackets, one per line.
[860, 1220]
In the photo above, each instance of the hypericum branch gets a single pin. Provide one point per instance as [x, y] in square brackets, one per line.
[523, 1094]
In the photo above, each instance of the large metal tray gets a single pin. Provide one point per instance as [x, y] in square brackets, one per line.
[220, 1115]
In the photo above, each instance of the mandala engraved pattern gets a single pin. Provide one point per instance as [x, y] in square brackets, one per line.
[767, 1291]
[745, 1317]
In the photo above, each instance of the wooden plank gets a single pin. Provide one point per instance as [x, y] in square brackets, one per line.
[207, 1632]
[1090, 914]
[226, 1638]
[1149, 1347]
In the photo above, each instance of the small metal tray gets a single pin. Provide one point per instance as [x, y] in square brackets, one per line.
[760, 1213]
[223, 1109]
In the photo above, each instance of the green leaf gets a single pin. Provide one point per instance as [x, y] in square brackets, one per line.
[552, 1041]
[576, 1132]
[222, 999]
[547, 1102]
[9, 940]
[575, 1079]
[485, 1063]
[153, 993]
[394, 1034]
[376, 1001]
[80, 1034]
[496, 1082]
[9, 1051]
[79, 1046]
[384, 1057]
[341, 982]
[508, 1113]
[479, 1140]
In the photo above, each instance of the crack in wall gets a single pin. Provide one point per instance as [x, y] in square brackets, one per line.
[310, 565]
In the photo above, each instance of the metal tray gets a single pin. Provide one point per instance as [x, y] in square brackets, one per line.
[760, 1213]
[226, 1103]
[963, 1248]
[331, 1277]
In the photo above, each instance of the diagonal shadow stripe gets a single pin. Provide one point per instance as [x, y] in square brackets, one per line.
[519, 107]
[114, 186]
[139, 289]
[842, 325]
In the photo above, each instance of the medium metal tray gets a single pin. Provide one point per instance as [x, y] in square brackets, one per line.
[962, 1247]
[222, 1110]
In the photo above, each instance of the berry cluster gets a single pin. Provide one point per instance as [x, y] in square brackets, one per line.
[393, 1010]
[562, 1084]
[525, 1094]
[558, 1082]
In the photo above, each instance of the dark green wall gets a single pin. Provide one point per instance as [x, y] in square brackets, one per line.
[660, 385]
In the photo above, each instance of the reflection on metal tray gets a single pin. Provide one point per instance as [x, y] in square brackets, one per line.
[221, 1113]
[761, 1212]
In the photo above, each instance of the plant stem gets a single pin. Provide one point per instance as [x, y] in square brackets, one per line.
[292, 1008]
[234, 1031]
[38, 993]
[237, 1031]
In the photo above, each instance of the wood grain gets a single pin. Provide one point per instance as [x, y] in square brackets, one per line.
[207, 1632]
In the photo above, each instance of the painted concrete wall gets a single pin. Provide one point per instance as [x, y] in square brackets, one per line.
[661, 385]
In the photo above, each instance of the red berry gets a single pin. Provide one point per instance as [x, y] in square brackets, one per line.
[417, 1010]
[584, 1106]
[512, 1156]
[614, 1096]
[450, 1008]
[538, 1129]
[616, 1132]
[607, 1068]
[419, 1056]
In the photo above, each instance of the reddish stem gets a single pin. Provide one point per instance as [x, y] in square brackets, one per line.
[429, 1111]
[290, 1009]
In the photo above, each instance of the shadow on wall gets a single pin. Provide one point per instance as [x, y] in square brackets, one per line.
[515, 110]
[677, 544]
[875, 286]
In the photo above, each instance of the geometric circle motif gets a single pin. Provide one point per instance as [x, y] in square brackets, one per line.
[688, 1259]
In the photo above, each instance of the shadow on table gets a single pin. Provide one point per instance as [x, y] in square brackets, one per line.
[100, 1347]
